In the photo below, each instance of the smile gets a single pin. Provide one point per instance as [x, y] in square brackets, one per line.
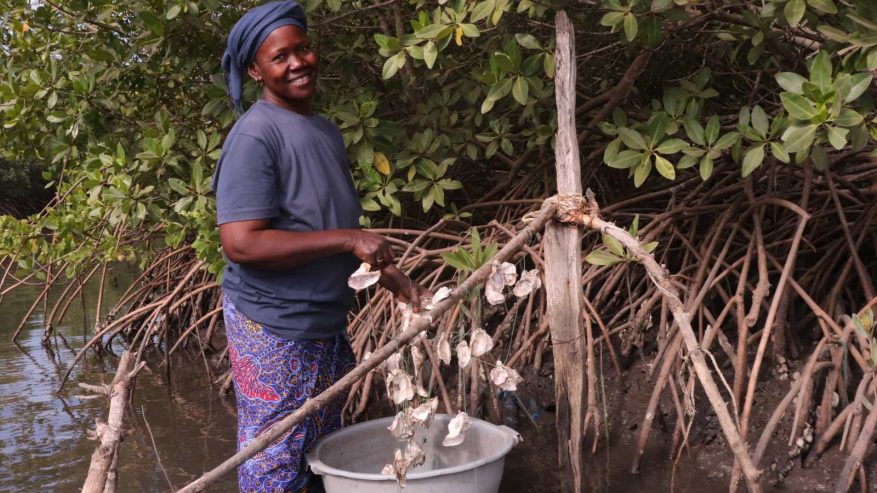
[301, 80]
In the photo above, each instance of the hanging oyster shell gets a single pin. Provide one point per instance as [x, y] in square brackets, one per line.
[400, 387]
[529, 282]
[401, 427]
[464, 354]
[363, 277]
[509, 273]
[443, 349]
[423, 413]
[480, 343]
[504, 377]
[442, 293]
[494, 287]
[456, 430]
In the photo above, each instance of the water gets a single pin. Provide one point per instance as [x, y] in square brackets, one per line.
[43, 436]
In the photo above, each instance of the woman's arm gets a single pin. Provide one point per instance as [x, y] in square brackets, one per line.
[254, 243]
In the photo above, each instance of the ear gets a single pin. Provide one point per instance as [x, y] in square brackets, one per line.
[254, 72]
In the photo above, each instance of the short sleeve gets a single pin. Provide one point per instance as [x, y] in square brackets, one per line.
[245, 183]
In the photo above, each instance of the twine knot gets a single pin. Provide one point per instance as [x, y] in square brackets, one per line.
[577, 209]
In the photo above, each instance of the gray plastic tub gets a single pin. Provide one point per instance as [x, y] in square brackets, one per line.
[351, 459]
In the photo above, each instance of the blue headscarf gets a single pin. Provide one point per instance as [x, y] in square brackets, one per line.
[247, 36]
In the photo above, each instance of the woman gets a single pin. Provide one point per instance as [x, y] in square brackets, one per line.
[288, 218]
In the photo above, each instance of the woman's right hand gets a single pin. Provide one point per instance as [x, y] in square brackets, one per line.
[371, 248]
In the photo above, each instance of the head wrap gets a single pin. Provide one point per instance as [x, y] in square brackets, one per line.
[247, 36]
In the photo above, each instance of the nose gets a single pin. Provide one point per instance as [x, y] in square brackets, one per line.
[296, 62]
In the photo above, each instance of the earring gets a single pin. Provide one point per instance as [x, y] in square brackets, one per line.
[259, 82]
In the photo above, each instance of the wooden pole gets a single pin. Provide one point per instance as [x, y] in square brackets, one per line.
[563, 270]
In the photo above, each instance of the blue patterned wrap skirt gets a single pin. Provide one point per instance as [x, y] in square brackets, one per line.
[272, 378]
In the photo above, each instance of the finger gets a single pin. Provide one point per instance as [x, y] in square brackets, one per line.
[415, 300]
[384, 256]
[372, 260]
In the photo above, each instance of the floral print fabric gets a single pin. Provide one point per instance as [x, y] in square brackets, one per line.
[272, 378]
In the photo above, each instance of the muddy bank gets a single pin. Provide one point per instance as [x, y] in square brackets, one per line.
[704, 467]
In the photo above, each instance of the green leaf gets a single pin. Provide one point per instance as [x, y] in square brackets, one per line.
[848, 118]
[482, 10]
[866, 23]
[833, 33]
[650, 246]
[837, 137]
[611, 151]
[630, 27]
[727, 140]
[860, 84]
[642, 171]
[433, 31]
[798, 138]
[824, 6]
[548, 65]
[430, 53]
[759, 121]
[779, 152]
[632, 138]
[601, 257]
[687, 162]
[625, 160]
[612, 19]
[753, 159]
[657, 128]
[393, 64]
[694, 130]
[798, 107]
[706, 167]
[634, 226]
[820, 72]
[178, 185]
[712, 129]
[665, 167]
[672, 146]
[173, 12]
[520, 89]
[528, 41]
[613, 245]
[794, 11]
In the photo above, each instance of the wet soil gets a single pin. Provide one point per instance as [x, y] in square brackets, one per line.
[705, 467]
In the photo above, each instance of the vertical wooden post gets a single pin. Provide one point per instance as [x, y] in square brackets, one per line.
[563, 270]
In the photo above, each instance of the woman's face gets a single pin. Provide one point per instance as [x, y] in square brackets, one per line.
[287, 67]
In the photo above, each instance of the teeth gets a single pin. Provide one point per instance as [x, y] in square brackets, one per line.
[301, 80]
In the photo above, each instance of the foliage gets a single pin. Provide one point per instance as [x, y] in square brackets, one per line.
[123, 104]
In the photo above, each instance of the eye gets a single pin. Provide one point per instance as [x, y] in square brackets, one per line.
[278, 57]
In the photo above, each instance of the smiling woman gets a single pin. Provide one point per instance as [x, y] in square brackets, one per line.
[286, 67]
[288, 217]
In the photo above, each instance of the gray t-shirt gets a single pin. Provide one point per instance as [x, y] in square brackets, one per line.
[291, 169]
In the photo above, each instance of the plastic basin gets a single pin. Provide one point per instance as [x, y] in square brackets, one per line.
[351, 459]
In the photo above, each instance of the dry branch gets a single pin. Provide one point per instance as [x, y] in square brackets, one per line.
[110, 433]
